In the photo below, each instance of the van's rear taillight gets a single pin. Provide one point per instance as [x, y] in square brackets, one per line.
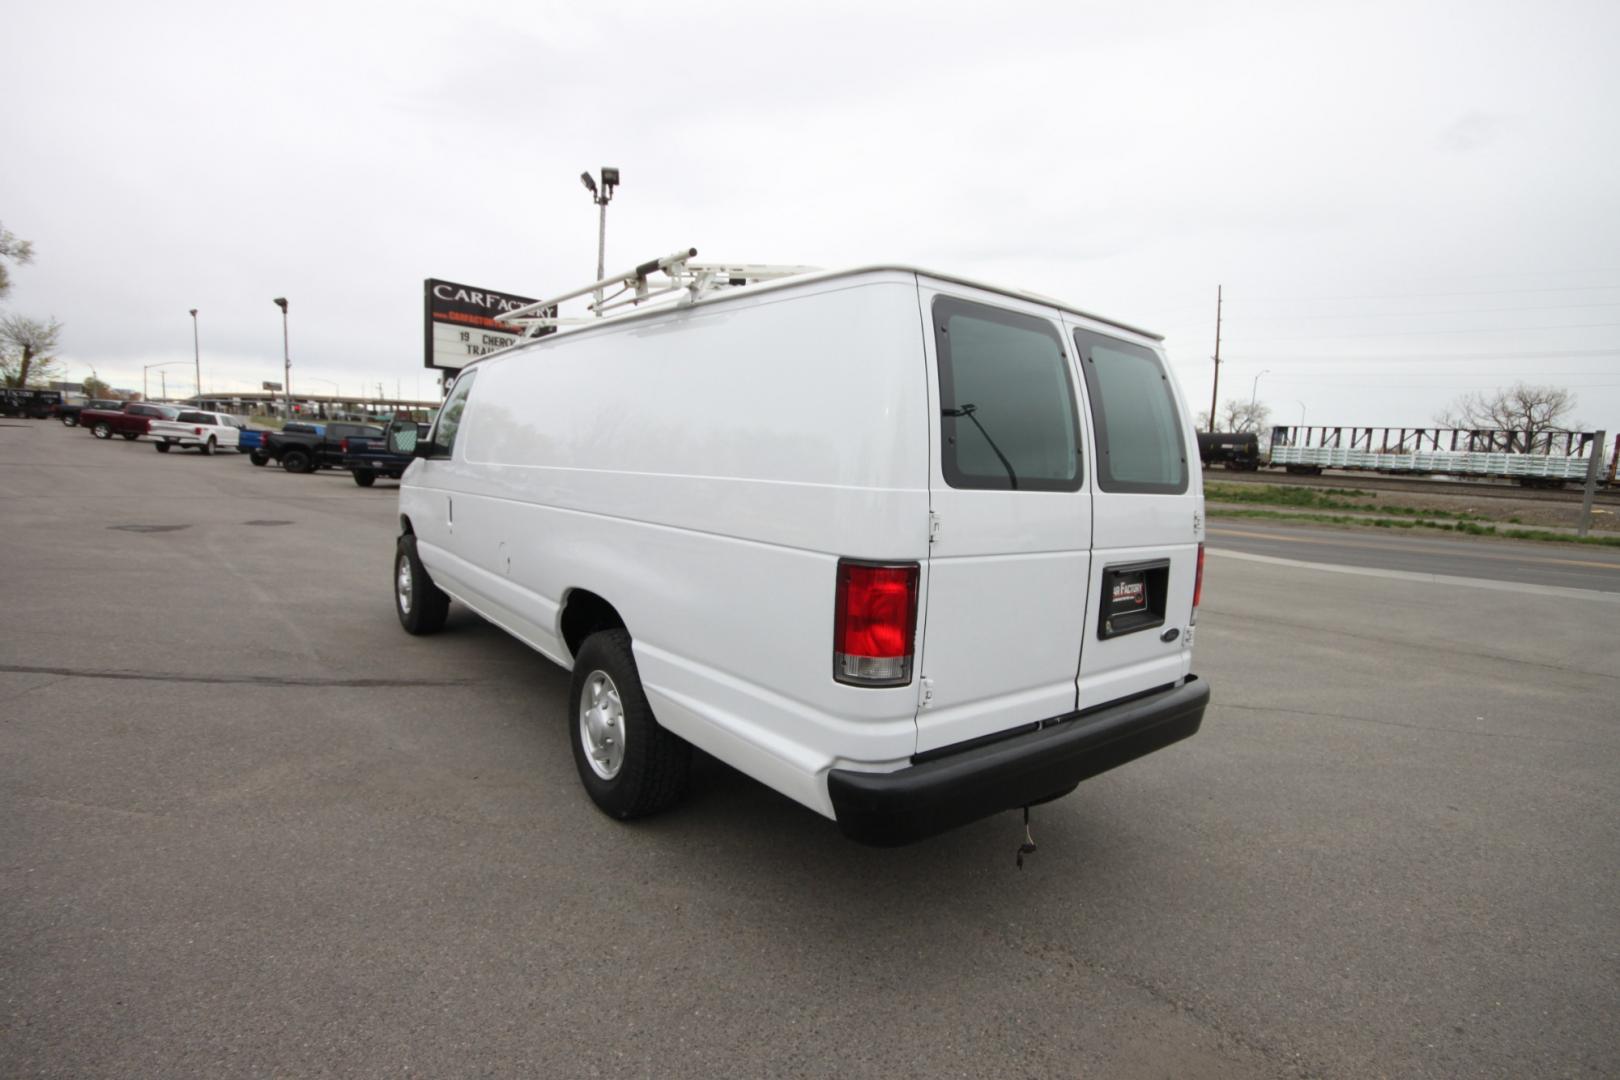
[1198, 584]
[875, 623]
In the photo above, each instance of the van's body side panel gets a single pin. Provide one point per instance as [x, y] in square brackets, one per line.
[703, 474]
[1006, 580]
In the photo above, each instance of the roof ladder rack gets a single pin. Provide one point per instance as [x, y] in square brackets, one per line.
[636, 287]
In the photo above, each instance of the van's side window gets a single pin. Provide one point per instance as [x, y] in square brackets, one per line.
[444, 432]
[1140, 447]
[1008, 418]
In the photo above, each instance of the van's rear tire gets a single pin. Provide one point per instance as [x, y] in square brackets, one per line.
[258, 459]
[208, 447]
[649, 768]
[162, 447]
[365, 477]
[421, 605]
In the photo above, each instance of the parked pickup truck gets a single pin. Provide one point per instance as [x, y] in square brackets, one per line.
[296, 435]
[204, 431]
[307, 447]
[68, 412]
[250, 440]
[131, 421]
[369, 458]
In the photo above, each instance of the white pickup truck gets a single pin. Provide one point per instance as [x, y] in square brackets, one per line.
[203, 431]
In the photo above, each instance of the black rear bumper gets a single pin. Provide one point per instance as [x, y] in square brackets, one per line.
[898, 807]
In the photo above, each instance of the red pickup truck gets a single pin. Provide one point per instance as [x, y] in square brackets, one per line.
[131, 421]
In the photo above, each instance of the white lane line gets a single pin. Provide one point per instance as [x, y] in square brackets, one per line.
[1430, 579]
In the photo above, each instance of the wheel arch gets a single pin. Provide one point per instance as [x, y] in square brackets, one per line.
[584, 613]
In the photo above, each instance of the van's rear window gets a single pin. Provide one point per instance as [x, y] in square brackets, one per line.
[1008, 419]
[1140, 447]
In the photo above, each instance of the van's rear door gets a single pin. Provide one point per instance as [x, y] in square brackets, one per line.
[1011, 501]
[1146, 498]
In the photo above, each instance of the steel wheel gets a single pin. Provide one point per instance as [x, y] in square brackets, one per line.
[402, 583]
[601, 725]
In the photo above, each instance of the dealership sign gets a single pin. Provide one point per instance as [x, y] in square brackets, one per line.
[462, 323]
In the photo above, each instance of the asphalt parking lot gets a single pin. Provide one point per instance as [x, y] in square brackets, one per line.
[252, 828]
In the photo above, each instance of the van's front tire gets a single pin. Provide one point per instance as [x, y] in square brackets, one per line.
[629, 764]
[421, 605]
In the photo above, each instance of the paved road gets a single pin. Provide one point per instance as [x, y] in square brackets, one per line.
[1413, 552]
[251, 828]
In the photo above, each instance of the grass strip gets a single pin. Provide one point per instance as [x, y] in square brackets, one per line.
[1322, 499]
[1468, 528]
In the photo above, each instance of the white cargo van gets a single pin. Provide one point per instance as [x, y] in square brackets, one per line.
[908, 548]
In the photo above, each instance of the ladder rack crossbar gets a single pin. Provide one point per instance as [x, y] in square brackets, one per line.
[684, 276]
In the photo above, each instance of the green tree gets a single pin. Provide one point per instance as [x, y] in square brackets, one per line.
[95, 388]
[18, 251]
[28, 350]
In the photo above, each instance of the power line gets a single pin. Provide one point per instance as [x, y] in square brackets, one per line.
[1408, 314]
[1525, 355]
[1409, 296]
[1437, 333]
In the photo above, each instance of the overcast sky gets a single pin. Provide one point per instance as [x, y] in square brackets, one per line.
[1402, 201]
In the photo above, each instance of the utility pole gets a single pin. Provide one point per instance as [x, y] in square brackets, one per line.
[1215, 394]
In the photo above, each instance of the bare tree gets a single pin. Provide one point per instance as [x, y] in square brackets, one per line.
[27, 350]
[1238, 416]
[18, 251]
[95, 388]
[1533, 410]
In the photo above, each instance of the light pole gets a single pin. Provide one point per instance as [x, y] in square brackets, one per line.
[601, 196]
[337, 391]
[1215, 391]
[146, 394]
[286, 357]
[1253, 391]
[1301, 405]
[196, 355]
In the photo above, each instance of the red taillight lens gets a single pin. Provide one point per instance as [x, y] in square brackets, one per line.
[343, 446]
[1198, 582]
[875, 623]
[197, 431]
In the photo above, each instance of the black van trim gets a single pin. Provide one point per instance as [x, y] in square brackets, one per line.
[940, 793]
